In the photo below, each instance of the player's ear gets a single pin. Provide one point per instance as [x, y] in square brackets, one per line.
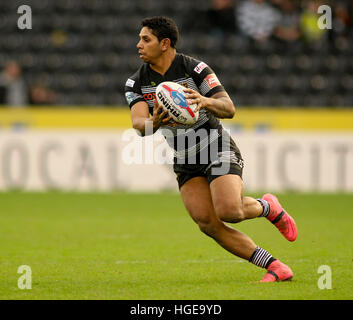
[165, 44]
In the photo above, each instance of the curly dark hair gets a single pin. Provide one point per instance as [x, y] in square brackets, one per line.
[163, 27]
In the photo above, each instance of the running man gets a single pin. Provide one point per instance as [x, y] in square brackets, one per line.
[211, 197]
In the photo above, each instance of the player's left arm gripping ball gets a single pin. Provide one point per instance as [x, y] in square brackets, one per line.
[219, 104]
[160, 117]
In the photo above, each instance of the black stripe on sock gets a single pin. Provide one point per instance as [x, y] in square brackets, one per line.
[269, 262]
[265, 207]
[260, 257]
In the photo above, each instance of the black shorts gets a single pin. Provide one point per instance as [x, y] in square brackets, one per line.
[223, 158]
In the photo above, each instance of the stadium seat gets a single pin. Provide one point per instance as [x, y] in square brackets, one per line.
[90, 45]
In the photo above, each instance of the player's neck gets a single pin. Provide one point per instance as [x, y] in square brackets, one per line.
[164, 62]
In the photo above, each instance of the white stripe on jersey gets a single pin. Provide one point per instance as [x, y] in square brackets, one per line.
[203, 118]
[189, 81]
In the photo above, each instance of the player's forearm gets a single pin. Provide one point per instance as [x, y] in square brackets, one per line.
[221, 107]
[144, 126]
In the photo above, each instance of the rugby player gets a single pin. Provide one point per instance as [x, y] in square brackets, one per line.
[211, 198]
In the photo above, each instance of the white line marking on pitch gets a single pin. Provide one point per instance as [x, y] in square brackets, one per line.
[175, 262]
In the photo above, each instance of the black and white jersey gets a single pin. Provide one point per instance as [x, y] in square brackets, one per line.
[191, 73]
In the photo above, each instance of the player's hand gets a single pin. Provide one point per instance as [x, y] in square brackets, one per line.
[160, 117]
[196, 98]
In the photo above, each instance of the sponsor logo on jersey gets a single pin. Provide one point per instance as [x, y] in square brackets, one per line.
[149, 96]
[130, 83]
[198, 69]
[212, 80]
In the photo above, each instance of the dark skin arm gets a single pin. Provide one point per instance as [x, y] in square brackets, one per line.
[219, 104]
[144, 123]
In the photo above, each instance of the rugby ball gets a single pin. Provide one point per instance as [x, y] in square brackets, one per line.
[171, 97]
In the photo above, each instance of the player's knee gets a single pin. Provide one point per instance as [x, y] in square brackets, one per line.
[230, 212]
[208, 226]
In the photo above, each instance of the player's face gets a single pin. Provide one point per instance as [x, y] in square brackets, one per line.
[149, 48]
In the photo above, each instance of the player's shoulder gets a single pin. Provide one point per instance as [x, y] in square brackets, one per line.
[133, 92]
[203, 76]
[192, 63]
[196, 67]
[136, 77]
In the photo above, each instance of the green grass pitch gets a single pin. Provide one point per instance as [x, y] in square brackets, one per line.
[145, 246]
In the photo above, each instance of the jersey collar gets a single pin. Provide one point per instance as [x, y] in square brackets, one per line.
[170, 69]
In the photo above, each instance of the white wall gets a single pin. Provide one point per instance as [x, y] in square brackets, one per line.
[106, 160]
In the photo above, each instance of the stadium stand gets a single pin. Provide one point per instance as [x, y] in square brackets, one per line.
[84, 50]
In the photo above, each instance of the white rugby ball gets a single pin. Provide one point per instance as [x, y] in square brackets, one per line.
[171, 97]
